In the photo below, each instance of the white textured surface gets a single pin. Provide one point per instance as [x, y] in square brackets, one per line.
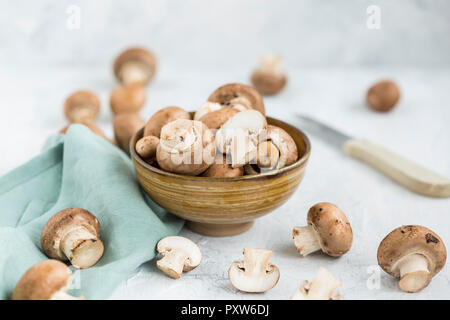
[41, 64]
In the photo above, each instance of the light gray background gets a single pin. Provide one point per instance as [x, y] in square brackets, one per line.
[331, 58]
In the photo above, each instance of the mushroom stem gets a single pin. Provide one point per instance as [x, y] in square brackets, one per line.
[173, 263]
[83, 114]
[322, 288]
[81, 247]
[306, 240]
[414, 273]
[256, 261]
[133, 72]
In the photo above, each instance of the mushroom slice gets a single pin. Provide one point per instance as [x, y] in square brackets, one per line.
[233, 94]
[255, 273]
[178, 254]
[146, 147]
[163, 117]
[185, 147]
[46, 280]
[206, 108]
[268, 78]
[323, 287]
[73, 234]
[127, 98]
[125, 126]
[82, 107]
[135, 66]
[414, 254]
[328, 230]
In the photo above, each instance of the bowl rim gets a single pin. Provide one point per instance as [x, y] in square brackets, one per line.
[298, 163]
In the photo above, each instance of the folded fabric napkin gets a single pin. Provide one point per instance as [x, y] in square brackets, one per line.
[83, 170]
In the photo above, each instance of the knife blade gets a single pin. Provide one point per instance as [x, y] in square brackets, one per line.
[403, 171]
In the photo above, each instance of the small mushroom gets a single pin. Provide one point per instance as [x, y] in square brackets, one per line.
[328, 230]
[255, 273]
[185, 147]
[125, 126]
[73, 234]
[135, 65]
[323, 287]
[127, 98]
[91, 126]
[179, 255]
[414, 254]
[163, 117]
[269, 79]
[46, 280]
[82, 107]
[383, 96]
[146, 147]
[221, 169]
[234, 94]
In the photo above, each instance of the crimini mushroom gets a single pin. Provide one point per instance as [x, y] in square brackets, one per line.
[82, 107]
[255, 273]
[328, 230]
[269, 79]
[185, 147]
[73, 234]
[146, 147]
[179, 255]
[91, 126]
[414, 254]
[162, 117]
[46, 280]
[323, 287]
[235, 94]
[125, 126]
[135, 65]
[383, 96]
[221, 169]
[239, 136]
[127, 98]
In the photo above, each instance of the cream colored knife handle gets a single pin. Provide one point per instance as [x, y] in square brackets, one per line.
[403, 171]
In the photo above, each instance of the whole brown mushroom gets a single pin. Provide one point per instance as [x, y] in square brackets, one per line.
[135, 66]
[383, 96]
[269, 79]
[125, 126]
[146, 147]
[237, 93]
[127, 98]
[82, 106]
[162, 117]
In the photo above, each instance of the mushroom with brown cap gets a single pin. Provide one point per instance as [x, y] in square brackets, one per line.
[383, 96]
[328, 230]
[146, 147]
[323, 287]
[127, 98]
[179, 255]
[135, 65]
[414, 254]
[82, 106]
[234, 94]
[125, 126]
[46, 280]
[73, 234]
[255, 273]
[162, 117]
[221, 169]
[269, 79]
[185, 147]
[206, 108]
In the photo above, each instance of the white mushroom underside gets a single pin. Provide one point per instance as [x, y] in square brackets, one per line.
[322, 288]
[306, 240]
[414, 273]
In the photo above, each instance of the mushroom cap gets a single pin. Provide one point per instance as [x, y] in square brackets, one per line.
[91, 126]
[146, 147]
[42, 280]
[125, 126]
[127, 98]
[285, 144]
[411, 239]
[183, 244]
[268, 82]
[332, 227]
[231, 91]
[138, 55]
[383, 96]
[162, 117]
[207, 107]
[222, 169]
[215, 119]
[60, 223]
[82, 99]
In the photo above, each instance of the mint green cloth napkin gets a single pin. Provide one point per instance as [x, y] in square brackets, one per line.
[83, 170]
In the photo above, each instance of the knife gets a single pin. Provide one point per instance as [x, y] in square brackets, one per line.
[403, 171]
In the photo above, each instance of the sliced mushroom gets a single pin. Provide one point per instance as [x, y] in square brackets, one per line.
[323, 287]
[222, 169]
[269, 79]
[178, 254]
[46, 280]
[127, 98]
[73, 234]
[82, 107]
[328, 230]
[185, 147]
[125, 126]
[135, 66]
[235, 94]
[415, 254]
[163, 117]
[146, 147]
[255, 273]
[91, 126]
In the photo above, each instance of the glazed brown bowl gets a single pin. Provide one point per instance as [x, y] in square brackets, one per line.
[223, 206]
